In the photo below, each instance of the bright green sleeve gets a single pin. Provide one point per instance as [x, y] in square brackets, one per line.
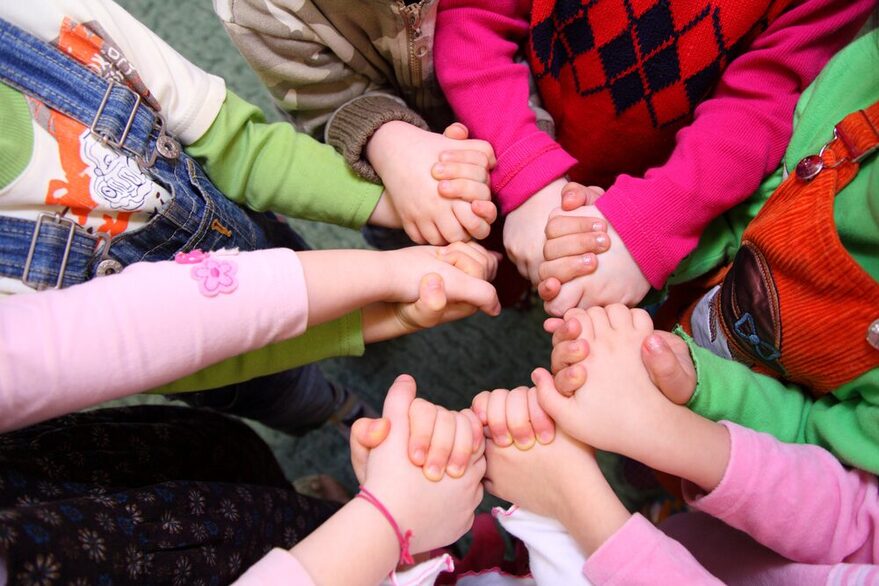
[341, 337]
[272, 167]
[845, 422]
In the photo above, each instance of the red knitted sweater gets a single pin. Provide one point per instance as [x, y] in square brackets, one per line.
[620, 77]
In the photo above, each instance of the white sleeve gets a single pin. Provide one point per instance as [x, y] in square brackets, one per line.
[190, 98]
[553, 555]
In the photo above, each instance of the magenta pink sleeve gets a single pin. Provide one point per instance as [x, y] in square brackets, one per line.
[475, 44]
[795, 499]
[738, 137]
[639, 553]
[278, 567]
[64, 350]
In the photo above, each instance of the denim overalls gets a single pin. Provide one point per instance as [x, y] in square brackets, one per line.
[56, 252]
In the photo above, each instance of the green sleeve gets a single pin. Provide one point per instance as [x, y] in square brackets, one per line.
[342, 337]
[845, 422]
[272, 167]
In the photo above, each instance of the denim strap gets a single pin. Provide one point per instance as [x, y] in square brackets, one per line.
[108, 108]
[55, 253]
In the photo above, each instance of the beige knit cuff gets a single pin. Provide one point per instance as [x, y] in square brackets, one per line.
[354, 123]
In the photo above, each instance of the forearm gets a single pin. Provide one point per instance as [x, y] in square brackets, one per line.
[798, 500]
[273, 167]
[639, 553]
[47, 370]
[476, 41]
[845, 422]
[746, 125]
[340, 337]
[370, 547]
[353, 125]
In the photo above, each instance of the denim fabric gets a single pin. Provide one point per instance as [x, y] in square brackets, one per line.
[197, 217]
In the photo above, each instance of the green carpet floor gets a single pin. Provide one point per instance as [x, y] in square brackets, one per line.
[451, 363]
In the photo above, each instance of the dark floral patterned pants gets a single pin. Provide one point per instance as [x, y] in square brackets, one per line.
[144, 495]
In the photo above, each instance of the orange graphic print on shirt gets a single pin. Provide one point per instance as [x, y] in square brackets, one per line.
[102, 188]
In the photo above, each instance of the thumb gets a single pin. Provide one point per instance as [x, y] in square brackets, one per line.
[396, 407]
[457, 131]
[428, 309]
[548, 397]
[666, 371]
[366, 434]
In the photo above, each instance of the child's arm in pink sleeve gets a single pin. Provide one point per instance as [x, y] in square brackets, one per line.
[795, 499]
[738, 136]
[475, 45]
[639, 553]
[113, 336]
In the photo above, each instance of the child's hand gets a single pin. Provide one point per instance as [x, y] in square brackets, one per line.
[571, 255]
[524, 229]
[438, 185]
[443, 441]
[513, 417]
[439, 440]
[666, 358]
[437, 513]
[465, 269]
[618, 408]
[542, 479]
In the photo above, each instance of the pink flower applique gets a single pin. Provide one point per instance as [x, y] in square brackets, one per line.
[215, 276]
[192, 257]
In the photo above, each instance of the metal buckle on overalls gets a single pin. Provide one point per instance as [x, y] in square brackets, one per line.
[166, 146]
[106, 138]
[61, 221]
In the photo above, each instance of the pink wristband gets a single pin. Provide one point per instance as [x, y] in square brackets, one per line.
[405, 556]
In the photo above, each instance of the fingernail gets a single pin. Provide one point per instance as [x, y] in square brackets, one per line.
[454, 470]
[588, 260]
[654, 345]
[503, 440]
[433, 283]
[526, 444]
[601, 240]
[439, 168]
[418, 455]
[598, 227]
[433, 471]
[544, 437]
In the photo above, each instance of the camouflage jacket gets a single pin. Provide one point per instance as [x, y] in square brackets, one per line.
[342, 67]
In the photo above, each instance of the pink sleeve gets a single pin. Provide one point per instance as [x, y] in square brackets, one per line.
[64, 350]
[276, 567]
[639, 553]
[795, 499]
[738, 137]
[475, 44]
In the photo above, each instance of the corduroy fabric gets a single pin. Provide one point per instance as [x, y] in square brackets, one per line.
[621, 77]
[825, 301]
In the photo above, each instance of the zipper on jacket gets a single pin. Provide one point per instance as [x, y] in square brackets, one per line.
[412, 17]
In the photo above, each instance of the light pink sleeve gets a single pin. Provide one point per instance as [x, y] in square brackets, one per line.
[64, 350]
[738, 136]
[639, 553]
[795, 499]
[475, 45]
[276, 567]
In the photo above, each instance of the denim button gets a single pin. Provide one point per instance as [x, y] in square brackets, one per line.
[873, 334]
[108, 266]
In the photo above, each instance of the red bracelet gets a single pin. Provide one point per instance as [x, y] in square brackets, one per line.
[405, 556]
